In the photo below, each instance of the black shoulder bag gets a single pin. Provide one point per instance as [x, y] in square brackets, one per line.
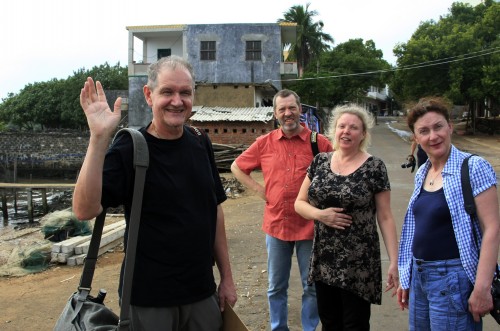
[470, 208]
[84, 312]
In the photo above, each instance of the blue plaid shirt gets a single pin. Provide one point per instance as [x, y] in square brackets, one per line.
[482, 177]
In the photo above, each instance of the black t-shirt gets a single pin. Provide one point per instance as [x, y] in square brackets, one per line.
[174, 258]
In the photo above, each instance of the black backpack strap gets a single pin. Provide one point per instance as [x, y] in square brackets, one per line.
[470, 206]
[203, 139]
[196, 130]
[314, 143]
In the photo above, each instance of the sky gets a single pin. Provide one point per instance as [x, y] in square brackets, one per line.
[42, 40]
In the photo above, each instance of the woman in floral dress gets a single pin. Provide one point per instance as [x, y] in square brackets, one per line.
[347, 192]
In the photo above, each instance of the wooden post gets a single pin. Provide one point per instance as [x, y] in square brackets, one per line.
[15, 169]
[14, 191]
[44, 200]
[30, 205]
[4, 206]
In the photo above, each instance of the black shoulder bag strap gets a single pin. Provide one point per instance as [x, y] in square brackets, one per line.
[141, 163]
[314, 143]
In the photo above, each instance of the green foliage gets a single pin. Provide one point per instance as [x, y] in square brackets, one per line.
[311, 40]
[56, 103]
[456, 57]
[344, 74]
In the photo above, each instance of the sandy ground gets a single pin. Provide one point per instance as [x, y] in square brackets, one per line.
[34, 302]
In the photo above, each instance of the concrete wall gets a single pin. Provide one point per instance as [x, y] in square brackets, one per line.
[139, 113]
[237, 96]
[230, 65]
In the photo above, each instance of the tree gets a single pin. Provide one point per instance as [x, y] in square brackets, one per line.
[456, 57]
[311, 40]
[56, 103]
[345, 74]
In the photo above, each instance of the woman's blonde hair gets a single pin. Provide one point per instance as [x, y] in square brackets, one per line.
[354, 109]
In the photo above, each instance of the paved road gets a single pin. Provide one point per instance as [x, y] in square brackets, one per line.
[388, 144]
[390, 147]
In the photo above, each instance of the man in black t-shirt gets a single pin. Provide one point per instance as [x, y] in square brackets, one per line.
[182, 231]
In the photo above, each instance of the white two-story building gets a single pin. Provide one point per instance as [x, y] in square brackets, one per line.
[235, 65]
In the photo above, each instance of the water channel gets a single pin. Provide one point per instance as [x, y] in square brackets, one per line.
[17, 204]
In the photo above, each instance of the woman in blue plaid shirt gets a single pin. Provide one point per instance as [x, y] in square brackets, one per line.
[445, 273]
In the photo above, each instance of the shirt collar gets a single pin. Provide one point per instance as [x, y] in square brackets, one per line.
[303, 135]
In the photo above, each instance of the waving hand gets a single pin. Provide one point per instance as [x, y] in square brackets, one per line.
[100, 118]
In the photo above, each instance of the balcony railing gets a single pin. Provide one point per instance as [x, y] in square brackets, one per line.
[288, 68]
[138, 69]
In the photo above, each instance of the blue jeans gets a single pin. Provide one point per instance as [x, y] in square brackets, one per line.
[279, 263]
[439, 292]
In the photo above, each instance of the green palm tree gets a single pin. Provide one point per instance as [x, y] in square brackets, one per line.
[311, 40]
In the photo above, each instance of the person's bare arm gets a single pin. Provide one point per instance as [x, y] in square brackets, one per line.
[413, 147]
[102, 124]
[388, 229]
[248, 181]
[227, 290]
[480, 300]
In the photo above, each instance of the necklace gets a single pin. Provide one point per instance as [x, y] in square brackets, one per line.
[431, 182]
[339, 169]
[156, 132]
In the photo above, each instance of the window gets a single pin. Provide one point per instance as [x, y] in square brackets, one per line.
[163, 52]
[253, 51]
[207, 50]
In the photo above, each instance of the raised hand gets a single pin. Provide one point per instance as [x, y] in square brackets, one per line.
[101, 119]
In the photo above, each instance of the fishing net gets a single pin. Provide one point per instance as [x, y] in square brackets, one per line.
[28, 250]
[23, 252]
[61, 225]
[27, 260]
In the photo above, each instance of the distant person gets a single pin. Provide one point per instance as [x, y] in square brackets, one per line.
[346, 193]
[182, 232]
[283, 155]
[446, 259]
[421, 154]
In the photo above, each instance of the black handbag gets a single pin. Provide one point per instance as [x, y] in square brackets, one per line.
[495, 292]
[470, 207]
[84, 312]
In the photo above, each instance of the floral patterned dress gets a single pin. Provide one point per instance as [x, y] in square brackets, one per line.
[350, 258]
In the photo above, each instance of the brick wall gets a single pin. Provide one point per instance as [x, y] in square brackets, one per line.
[234, 133]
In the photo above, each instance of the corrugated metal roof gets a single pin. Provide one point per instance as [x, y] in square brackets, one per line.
[230, 114]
